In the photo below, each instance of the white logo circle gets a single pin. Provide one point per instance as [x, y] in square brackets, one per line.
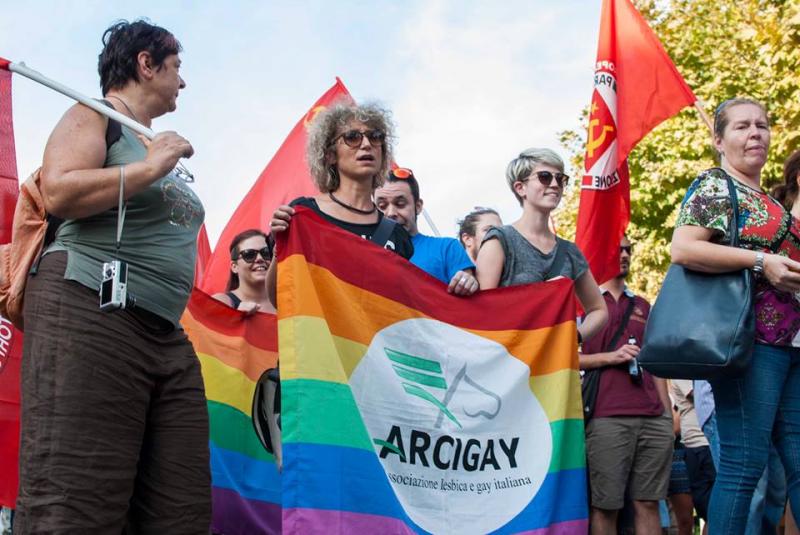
[463, 440]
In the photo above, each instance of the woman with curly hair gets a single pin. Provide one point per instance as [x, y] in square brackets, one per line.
[349, 151]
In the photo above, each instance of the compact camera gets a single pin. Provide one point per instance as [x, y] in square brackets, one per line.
[113, 286]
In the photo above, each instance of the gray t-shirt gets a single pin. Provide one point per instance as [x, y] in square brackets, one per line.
[158, 238]
[524, 263]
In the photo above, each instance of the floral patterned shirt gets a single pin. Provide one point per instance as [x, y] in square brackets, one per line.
[764, 225]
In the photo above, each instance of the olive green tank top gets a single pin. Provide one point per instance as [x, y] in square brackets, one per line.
[159, 238]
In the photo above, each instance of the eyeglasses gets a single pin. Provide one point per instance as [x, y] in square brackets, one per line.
[626, 249]
[249, 255]
[546, 178]
[353, 138]
[402, 173]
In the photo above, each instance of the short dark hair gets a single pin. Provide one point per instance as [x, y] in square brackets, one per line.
[411, 180]
[122, 42]
[233, 278]
[469, 224]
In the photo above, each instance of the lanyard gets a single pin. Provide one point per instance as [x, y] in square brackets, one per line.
[121, 207]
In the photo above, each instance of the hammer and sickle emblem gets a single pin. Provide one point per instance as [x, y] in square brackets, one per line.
[312, 114]
[595, 142]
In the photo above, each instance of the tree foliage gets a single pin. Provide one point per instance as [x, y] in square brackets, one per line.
[723, 49]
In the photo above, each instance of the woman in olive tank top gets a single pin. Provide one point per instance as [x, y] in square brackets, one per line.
[114, 425]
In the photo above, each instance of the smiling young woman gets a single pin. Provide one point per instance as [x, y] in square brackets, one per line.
[251, 255]
[527, 250]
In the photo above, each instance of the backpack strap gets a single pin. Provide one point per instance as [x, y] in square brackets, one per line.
[612, 345]
[384, 230]
[113, 130]
[113, 133]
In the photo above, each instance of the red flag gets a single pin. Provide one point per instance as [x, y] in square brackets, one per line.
[10, 338]
[636, 86]
[203, 255]
[285, 178]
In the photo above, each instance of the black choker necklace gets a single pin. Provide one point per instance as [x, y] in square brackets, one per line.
[353, 208]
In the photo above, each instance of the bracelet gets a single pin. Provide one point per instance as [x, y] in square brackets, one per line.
[758, 267]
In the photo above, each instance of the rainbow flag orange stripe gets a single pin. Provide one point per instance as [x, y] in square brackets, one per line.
[234, 351]
[409, 410]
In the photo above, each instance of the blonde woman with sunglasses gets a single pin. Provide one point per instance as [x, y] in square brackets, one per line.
[251, 255]
[349, 151]
[528, 251]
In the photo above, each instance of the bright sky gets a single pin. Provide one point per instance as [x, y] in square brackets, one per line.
[470, 83]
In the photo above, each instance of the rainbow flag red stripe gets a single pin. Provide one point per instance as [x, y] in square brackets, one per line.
[409, 410]
[234, 351]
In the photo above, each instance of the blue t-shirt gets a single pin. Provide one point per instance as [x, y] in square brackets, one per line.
[440, 257]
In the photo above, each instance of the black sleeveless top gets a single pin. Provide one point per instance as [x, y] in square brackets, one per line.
[235, 301]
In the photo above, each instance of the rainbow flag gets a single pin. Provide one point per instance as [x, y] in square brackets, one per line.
[234, 351]
[409, 410]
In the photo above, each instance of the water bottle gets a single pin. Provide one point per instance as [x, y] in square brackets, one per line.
[633, 364]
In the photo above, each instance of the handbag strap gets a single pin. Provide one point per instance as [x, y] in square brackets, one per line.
[623, 324]
[384, 230]
[734, 200]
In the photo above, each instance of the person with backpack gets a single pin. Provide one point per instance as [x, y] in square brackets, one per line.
[114, 426]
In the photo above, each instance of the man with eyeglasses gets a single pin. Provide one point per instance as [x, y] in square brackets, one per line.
[443, 258]
[629, 431]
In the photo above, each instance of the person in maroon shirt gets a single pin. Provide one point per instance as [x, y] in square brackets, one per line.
[629, 437]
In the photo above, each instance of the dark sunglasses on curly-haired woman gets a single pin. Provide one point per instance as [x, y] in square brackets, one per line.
[352, 138]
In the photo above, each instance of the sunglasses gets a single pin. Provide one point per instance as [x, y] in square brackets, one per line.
[626, 249]
[249, 255]
[402, 173]
[546, 178]
[353, 138]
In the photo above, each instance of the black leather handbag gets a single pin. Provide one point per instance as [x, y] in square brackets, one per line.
[702, 325]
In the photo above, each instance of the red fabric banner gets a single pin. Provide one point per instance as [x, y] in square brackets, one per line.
[636, 87]
[10, 338]
[285, 178]
[203, 255]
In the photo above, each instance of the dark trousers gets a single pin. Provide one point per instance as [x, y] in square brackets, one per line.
[114, 433]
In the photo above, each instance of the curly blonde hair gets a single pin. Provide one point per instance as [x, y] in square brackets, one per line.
[328, 124]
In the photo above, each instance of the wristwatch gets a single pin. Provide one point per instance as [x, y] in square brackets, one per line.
[758, 267]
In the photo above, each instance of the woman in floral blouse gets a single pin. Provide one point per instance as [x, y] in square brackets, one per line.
[764, 405]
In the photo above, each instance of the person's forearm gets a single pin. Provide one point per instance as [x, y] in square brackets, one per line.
[594, 321]
[711, 257]
[84, 193]
[595, 360]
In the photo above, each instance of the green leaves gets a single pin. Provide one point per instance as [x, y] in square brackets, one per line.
[723, 48]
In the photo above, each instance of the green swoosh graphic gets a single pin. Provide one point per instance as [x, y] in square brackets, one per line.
[412, 361]
[390, 446]
[414, 390]
[421, 378]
